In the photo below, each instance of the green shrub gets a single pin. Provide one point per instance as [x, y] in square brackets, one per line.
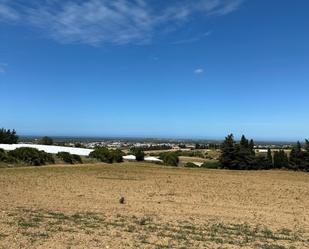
[102, 154]
[31, 156]
[107, 156]
[117, 156]
[77, 159]
[211, 165]
[4, 157]
[66, 157]
[191, 165]
[69, 158]
[170, 158]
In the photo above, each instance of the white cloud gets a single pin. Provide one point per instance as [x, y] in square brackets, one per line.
[192, 39]
[8, 13]
[105, 21]
[199, 71]
[3, 68]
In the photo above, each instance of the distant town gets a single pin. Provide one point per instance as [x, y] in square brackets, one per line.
[149, 144]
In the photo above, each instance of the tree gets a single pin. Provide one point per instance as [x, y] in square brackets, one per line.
[138, 153]
[307, 145]
[269, 158]
[47, 141]
[228, 150]
[297, 157]
[238, 155]
[251, 147]
[306, 156]
[244, 143]
[245, 156]
[281, 160]
[8, 136]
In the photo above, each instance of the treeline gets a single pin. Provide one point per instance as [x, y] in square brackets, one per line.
[8, 136]
[241, 156]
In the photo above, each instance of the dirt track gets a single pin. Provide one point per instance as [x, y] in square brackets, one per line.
[78, 207]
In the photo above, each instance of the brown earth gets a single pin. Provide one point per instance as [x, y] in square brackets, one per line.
[78, 207]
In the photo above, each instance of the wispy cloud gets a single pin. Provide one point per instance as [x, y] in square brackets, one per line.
[192, 39]
[3, 68]
[7, 13]
[104, 21]
[199, 71]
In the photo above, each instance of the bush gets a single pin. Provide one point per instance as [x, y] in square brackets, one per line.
[170, 158]
[211, 165]
[117, 156]
[77, 159]
[107, 156]
[191, 165]
[68, 158]
[31, 156]
[4, 157]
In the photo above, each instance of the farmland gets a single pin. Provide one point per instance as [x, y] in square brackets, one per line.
[78, 206]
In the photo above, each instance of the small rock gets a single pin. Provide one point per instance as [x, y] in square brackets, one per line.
[122, 200]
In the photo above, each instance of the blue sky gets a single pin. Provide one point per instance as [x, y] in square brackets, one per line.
[190, 69]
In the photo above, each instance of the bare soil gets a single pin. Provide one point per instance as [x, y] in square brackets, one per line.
[79, 207]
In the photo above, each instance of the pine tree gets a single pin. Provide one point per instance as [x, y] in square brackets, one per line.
[306, 156]
[307, 145]
[228, 150]
[269, 158]
[251, 146]
[285, 159]
[296, 157]
[281, 159]
[244, 143]
[8, 136]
